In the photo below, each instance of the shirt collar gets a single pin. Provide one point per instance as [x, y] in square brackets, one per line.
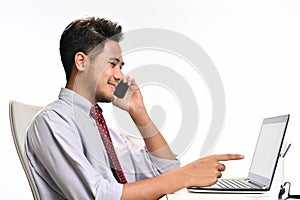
[75, 100]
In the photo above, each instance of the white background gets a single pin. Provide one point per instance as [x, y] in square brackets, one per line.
[255, 46]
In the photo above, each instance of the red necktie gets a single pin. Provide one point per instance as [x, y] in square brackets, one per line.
[96, 113]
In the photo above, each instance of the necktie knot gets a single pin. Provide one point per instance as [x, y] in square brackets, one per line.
[96, 112]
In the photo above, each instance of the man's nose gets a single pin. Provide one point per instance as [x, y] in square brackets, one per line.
[118, 75]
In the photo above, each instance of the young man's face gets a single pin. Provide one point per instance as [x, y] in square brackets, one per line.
[106, 71]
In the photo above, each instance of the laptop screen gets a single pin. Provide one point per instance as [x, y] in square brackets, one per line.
[267, 149]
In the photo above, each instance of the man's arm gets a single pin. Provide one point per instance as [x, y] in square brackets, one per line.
[155, 142]
[134, 105]
[202, 172]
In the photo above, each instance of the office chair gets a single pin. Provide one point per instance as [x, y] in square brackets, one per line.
[20, 116]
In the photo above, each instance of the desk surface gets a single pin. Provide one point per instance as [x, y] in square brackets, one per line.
[272, 194]
[185, 194]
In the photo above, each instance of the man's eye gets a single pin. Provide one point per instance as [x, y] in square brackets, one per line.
[113, 64]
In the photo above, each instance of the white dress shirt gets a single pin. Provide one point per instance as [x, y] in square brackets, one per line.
[68, 159]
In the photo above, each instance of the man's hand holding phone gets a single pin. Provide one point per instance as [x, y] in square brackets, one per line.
[127, 95]
[121, 89]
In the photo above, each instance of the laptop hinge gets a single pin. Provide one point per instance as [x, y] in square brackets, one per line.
[258, 184]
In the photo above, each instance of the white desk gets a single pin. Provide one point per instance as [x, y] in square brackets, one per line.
[184, 194]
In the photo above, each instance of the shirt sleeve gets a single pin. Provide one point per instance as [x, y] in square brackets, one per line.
[164, 165]
[56, 151]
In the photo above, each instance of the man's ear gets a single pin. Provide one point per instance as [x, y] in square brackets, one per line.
[80, 60]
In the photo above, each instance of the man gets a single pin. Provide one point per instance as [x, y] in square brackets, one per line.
[72, 154]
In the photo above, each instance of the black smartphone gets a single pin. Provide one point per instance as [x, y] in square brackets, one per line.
[121, 89]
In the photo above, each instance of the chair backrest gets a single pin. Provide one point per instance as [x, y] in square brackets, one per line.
[20, 117]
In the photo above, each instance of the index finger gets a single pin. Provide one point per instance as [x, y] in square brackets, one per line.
[225, 157]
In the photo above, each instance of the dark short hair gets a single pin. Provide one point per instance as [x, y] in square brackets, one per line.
[83, 35]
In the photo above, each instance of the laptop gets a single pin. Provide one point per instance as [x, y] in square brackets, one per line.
[263, 163]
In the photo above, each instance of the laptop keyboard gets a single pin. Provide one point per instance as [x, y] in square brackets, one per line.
[232, 183]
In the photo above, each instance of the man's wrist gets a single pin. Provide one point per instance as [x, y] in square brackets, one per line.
[177, 178]
[140, 116]
[148, 130]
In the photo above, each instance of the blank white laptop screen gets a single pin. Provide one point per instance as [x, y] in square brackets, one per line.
[261, 164]
[267, 150]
